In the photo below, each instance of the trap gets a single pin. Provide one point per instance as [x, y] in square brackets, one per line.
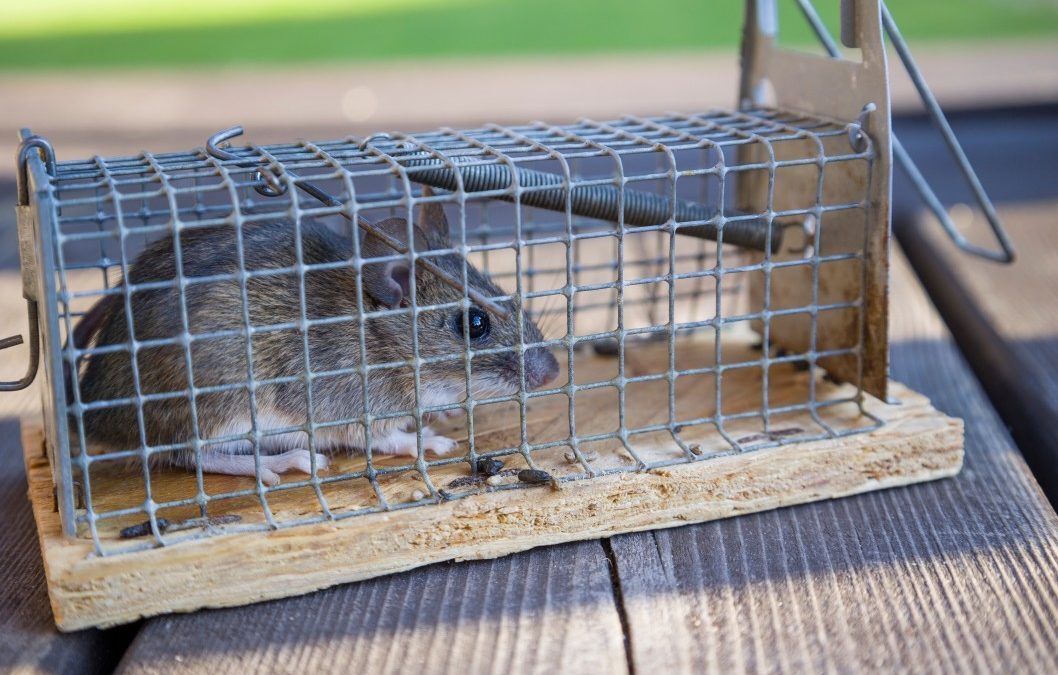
[326, 361]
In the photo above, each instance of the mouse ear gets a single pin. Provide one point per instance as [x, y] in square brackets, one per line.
[433, 222]
[388, 282]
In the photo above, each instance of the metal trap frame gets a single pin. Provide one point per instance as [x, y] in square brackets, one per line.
[713, 287]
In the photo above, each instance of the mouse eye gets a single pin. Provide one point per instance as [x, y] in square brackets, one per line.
[478, 322]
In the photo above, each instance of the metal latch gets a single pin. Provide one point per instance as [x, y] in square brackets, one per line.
[26, 253]
[27, 256]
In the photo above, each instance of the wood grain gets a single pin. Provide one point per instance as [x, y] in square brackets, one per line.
[547, 610]
[117, 486]
[1004, 318]
[957, 575]
[914, 443]
[29, 642]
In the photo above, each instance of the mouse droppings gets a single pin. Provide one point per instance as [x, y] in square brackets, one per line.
[166, 526]
[790, 431]
[464, 482]
[534, 476]
[489, 466]
[752, 438]
[143, 529]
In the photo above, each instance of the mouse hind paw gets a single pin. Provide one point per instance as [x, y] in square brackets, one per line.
[299, 460]
[404, 443]
[271, 465]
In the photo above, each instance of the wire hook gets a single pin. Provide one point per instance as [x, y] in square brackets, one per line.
[267, 177]
[858, 138]
[34, 350]
[46, 153]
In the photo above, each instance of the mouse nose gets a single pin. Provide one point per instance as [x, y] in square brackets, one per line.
[540, 367]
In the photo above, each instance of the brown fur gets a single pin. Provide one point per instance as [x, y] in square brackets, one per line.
[270, 300]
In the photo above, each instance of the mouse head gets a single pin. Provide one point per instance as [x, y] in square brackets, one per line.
[449, 331]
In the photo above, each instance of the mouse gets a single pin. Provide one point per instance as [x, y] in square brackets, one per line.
[220, 360]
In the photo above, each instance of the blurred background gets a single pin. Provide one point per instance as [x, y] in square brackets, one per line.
[117, 76]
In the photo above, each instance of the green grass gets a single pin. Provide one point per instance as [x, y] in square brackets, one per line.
[62, 34]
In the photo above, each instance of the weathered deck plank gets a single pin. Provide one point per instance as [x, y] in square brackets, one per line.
[547, 609]
[1005, 319]
[960, 574]
[29, 641]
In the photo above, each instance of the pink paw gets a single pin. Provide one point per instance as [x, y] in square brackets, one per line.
[271, 465]
[404, 443]
[442, 445]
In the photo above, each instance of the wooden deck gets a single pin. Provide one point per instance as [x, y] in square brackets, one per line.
[1004, 319]
[955, 575]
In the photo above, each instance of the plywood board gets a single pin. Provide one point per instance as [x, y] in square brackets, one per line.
[913, 443]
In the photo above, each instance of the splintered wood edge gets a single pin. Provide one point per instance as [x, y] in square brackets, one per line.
[916, 443]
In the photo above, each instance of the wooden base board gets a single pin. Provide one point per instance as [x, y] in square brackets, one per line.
[914, 443]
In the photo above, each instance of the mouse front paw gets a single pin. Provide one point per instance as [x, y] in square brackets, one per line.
[442, 445]
[404, 443]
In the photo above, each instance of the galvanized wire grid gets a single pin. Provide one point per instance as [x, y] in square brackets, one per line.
[105, 211]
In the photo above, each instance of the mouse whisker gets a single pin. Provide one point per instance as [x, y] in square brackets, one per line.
[550, 319]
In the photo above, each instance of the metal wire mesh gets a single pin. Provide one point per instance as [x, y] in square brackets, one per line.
[602, 290]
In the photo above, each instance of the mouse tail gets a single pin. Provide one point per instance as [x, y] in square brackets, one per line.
[86, 329]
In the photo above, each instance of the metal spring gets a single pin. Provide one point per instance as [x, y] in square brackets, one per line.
[603, 202]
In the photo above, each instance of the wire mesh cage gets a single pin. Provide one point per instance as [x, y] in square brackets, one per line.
[242, 339]
[226, 331]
